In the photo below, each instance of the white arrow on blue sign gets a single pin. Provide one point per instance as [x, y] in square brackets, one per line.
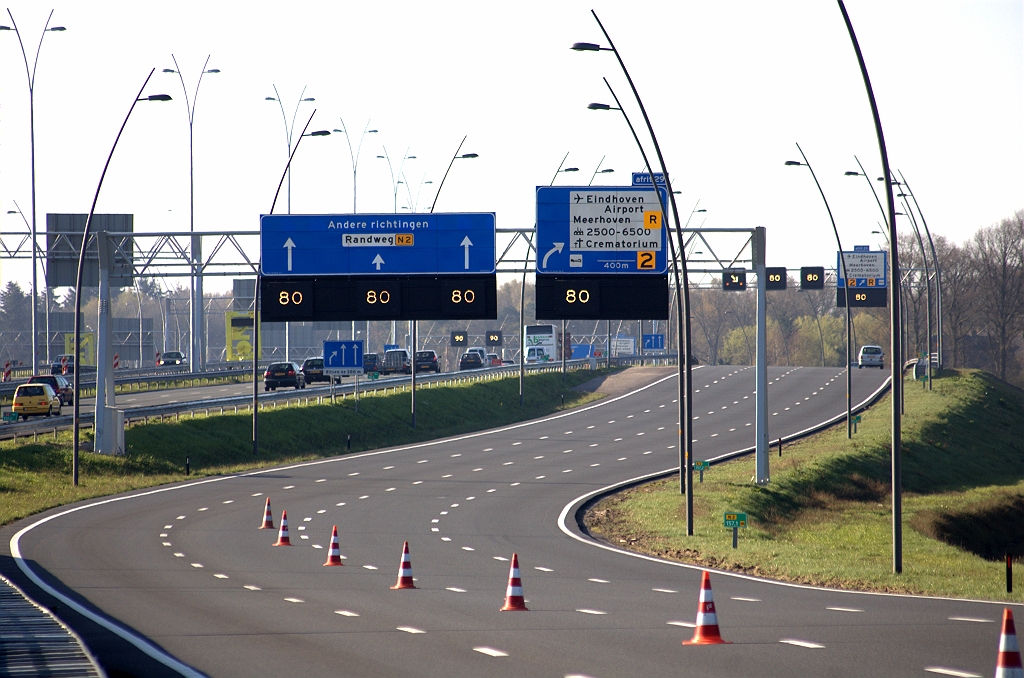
[388, 244]
[343, 358]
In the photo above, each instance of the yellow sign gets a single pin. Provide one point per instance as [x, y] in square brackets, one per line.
[645, 261]
[238, 330]
[652, 220]
[87, 349]
[403, 238]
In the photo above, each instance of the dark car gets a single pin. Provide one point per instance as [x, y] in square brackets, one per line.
[63, 364]
[370, 362]
[283, 374]
[313, 370]
[470, 361]
[61, 386]
[172, 359]
[426, 361]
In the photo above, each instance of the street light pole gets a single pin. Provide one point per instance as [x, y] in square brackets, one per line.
[454, 158]
[31, 75]
[846, 290]
[927, 283]
[198, 347]
[938, 274]
[78, 282]
[354, 157]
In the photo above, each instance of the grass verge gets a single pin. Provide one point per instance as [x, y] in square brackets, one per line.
[35, 476]
[825, 518]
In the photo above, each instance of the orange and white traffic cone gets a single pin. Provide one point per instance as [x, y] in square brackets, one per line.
[404, 571]
[268, 520]
[1008, 665]
[706, 632]
[282, 536]
[514, 592]
[334, 555]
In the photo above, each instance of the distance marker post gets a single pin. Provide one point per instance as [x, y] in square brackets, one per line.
[701, 466]
[735, 521]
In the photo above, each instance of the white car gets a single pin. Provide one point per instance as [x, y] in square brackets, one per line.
[871, 356]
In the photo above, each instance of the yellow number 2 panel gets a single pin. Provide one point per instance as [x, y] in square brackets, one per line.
[645, 261]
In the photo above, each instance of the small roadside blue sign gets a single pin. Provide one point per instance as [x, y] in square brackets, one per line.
[644, 178]
[654, 342]
[343, 356]
[388, 244]
[606, 229]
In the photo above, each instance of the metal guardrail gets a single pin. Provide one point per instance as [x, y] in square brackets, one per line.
[243, 403]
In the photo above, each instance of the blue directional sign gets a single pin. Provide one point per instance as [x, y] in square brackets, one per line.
[863, 268]
[654, 342]
[343, 358]
[601, 230]
[388, 244]
[644, 178]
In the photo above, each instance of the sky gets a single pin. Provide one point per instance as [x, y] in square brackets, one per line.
[730, 87]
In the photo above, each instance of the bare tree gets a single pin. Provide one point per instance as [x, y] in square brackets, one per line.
[997, 254]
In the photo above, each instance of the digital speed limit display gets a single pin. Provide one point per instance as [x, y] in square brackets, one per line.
[812, 278]
[288, 300]
[370, 297]
[864, 297]
[610, 297]
[775, 278]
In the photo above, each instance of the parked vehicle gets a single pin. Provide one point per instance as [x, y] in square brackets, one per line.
[35, 399]
[171, 359]
[61, 386]
[370, 362]
[283, 374]
[871, 356]
[470, 361]
[313, 370]
[396, 360]
[493, 360]
[426, 361]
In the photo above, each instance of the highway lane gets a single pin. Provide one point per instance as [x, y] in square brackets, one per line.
[186, 567]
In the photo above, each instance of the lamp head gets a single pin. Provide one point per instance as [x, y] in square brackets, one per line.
[157, 97]
[599, 107]
[571, 169]
[585, 47]
[606, 171]
[469, 155]
[59, 29]
[212, 70]
[168, 70]
[309, 99]
[793, 162]
[851, 174]
[319, 133]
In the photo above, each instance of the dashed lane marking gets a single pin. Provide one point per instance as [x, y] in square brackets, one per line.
[446, 538]
[167, 543]
[365, 496]
[252, 588]
[746, 600]
[468, 548]
[504, 560]
[422, 461]
[443, 513]
[470, 498]
[568, 470]
[540, 457]
[544, 569]
[543, 438]
[434, 529]
[179, 555]
[340, 503]
[180, 518]
[321, 480]
[346, 613]
[477, 469]
[370, 567]
[594, 444]
[802, 643]
[617, 440]
[256, 494]
[288, 487]
[599, 581]
[307, 519]
[593, 465]
[387, 468]
[951, 672]
[664, 591]
[540, 477]
[163, 535]
[490, 652]
[221, 576]
[355, 473]
[455, 589]
[197, 565]
[455, 506]
[322, 511]
[204, 509]
[621, 459]
[448, 475]
[843, 609]
[517, 443]
[417, 482]
[390, 489]
[585, 610]
[972, 619]
[513, 484]
[492, 490]
[409, 629]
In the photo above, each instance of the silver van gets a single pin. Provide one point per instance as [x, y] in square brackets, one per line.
[396, 360]
[871, 356]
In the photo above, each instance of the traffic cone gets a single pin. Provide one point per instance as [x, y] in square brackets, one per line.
[404, 571]
[1008, 665]
[706, 632]
[282, 536]
[268, 520]
[514, 592]
[334, 555]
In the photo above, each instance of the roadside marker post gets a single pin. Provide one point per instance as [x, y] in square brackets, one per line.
[701, 466]
[735, 521]
[856, 420]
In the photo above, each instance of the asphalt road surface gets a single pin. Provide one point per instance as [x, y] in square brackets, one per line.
[185, 567]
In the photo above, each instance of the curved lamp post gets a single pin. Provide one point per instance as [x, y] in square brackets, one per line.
[78, 279]
[927, 283]
[846, 288]
[31, 75]
[598, 170]
[394, 184]
[465, 156]
[938, 274]
[198, 348]
[354, 157]
[894, 312]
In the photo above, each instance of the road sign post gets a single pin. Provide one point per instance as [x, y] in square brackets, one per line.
[701, 466]
[735, 521]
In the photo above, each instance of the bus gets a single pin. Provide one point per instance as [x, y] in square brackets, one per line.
[541, 343]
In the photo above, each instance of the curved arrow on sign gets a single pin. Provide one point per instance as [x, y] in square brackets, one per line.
[557, 248]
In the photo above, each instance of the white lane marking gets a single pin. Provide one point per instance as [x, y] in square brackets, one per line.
[455, 589]
[365, 496]
[167, 543]
[589, 427]
[518, 443]
[221, 576]
[321, 480]
[972, 619]
[642, 433]
[346, 613]
[455, 505]
[409, 629]
[621, 459]
[390, 489]
[543, 438]
[340, 503]
[746, 600]
[301, 527]
[646, 410]
[588, 611]
[322, 511]
[468, 548]
[493, 490]
[303, 536]
[318, 546]
[422, 461]
[669, 447]
[417, 482]
[504, 560]
[844, 609]
[197, 564]
[470, 498]
[577, 675]
[295, 600]
[446, 538]
[568, 470]
[449, 475]
[477, 469]
[204, 509]
[306, 519]
[665, 591]
[567, 433]
[168, 527]
[490, 651]
[951, 672]
[460, 454]
[593, 465]
[540, 457]
[594, 444]
[714, 435]
[599, 581]
[748, 424]
[387, 468]
[435, 520]
[180, 518]
[288, 487]
[540, 477]
[617, 440]
[252, 588]
[513, 484]
[630, 416]
[661, 406]
[370, 567]
[508, 463]
[350, 475]
[163, 534]
[434, 529]
[802, 643]
[179, 555]
[257, 494]
[544, 569]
